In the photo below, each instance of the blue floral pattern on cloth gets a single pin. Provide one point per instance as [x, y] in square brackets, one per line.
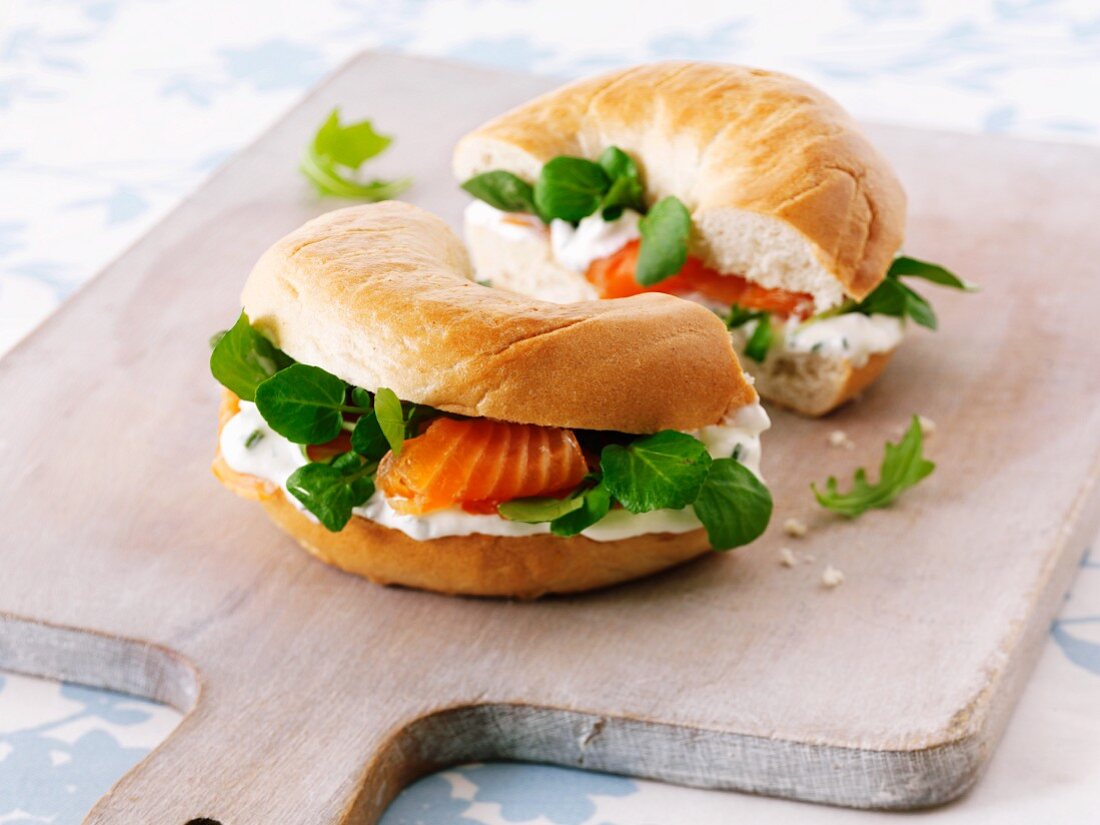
[109, 115]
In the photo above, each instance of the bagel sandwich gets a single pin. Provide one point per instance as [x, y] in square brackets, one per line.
[409, 425]
[747, 191]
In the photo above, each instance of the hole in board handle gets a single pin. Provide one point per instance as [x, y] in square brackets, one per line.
[202, 820]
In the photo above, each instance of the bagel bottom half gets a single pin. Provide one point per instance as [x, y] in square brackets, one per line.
[523, 567]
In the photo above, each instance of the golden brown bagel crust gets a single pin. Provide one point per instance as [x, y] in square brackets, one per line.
[726, 140]
[381, 295]
[522, 566]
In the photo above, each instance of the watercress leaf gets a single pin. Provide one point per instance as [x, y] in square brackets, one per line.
[570, 189]
[361, 398]
[919, 309]
[888, 298]
[303, 404]
[761, 339]
[903, 466]
[242, 359]
[661, 471]
[733, 505]
[665, 229]
[349, 144]
[330, 491]
[391, 418]
[339, 149]
[625, 193]
[617, 163]
[537, 510]
[595, 504]
[739, 316]
[367, 439]
[936, 274]
[503, 191]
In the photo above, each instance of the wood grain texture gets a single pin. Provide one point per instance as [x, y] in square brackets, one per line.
[314, 696]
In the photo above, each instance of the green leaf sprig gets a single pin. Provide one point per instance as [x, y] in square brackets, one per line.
[763, 334]
[903, 466]
[242, 359]
[894, 298]
[667, 470]
[571, 188]
[336, 154]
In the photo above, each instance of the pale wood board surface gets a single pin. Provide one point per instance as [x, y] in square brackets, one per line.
[316, 695]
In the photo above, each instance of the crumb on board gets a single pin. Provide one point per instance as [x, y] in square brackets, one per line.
[795, 527]
[832, 577]
[839, 438]
[786, 557]
[927, 426]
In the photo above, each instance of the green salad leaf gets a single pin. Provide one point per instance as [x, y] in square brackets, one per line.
[903, 466]
[503, 191]
[242, 359]
[338, 150]
[762, 336]
[626, 191]
[331, 490]
[569, 189]
[595, 503]
[304, 404]
[666, 230]
[894, 298]
[733, 504]
[391, 418]
[539, 509]
[661, 471]
[367, 438]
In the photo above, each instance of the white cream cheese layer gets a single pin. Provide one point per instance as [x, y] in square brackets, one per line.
[576, 247]
[852, 335]
[514, 225]
[249, 446]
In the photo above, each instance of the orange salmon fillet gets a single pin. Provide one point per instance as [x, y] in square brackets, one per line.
[478, 463]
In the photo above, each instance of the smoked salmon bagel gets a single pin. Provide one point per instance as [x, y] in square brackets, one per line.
[410, 425]
[748, 191]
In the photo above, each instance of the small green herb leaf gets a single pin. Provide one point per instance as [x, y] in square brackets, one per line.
[626, 190]
[503, 191]
[666, 230]
[242, 359]
[761, 339]
[367, 438]
[661, 471]
[904, 266]
[330, 491]
[537, 510]
[903, 466]
[595, 504]
[338, 150]
[391, 418]
[570, 189]
[733, 505]
[302, 403]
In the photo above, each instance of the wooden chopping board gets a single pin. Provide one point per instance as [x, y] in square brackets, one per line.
[314, 697]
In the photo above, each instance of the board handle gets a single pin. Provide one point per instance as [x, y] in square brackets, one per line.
[292, 757]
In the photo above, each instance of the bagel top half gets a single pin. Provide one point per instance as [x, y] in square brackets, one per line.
[381, 295]
[783, 187]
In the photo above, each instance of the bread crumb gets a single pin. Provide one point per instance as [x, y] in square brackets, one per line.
[832, 577]
[795, 527]
[927, 426]
[839, 438]
[786, 557]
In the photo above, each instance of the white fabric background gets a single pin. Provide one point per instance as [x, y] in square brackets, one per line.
[113, 110]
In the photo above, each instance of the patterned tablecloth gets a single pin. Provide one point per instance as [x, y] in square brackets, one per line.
[112, 110]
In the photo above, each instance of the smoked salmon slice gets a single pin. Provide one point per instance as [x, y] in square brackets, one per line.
[613, 277]
[477, 463]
